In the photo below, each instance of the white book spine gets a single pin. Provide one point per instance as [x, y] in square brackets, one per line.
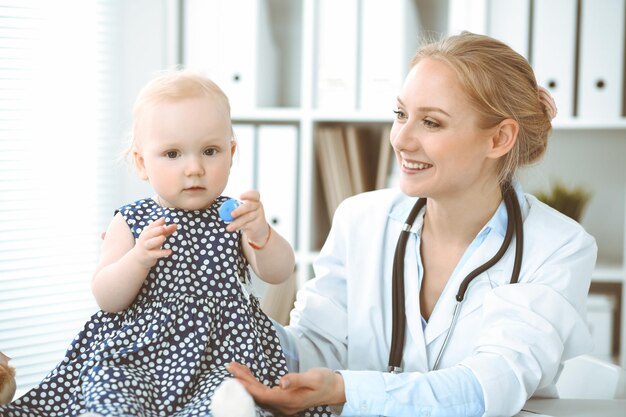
[554, 50]
[243, 168]
[389, 38]
[277, 176]
[513, 32]
[601, 59]
[336, 53]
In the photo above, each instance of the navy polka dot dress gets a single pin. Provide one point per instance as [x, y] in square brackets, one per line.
[166, 353]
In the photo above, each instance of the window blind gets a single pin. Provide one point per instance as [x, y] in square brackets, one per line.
[59, 134]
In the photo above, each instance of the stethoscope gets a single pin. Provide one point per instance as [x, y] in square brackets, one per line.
[514, 225]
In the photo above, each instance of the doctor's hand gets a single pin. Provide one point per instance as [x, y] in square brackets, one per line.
[295, 392]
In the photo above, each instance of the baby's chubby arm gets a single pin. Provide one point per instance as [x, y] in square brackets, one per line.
[274, 262]
[125, 263]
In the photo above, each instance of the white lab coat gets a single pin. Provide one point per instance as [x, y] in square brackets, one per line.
[513, 337]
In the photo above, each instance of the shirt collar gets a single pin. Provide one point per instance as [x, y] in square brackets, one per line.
[498, 222]
[400, 211]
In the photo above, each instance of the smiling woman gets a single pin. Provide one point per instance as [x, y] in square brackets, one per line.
[55, 119]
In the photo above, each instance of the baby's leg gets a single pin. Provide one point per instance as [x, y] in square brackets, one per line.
[231, 399]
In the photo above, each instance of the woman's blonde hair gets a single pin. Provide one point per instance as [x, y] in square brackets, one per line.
[501, 84]
[173, 85]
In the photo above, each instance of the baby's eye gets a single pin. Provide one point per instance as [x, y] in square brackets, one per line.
[210, 151]
[171, 154]
[399, 114]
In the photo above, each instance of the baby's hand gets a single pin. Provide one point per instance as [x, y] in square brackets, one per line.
[250, 218]
[148, 246]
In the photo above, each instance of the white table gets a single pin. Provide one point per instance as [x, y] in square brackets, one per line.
[577, 408]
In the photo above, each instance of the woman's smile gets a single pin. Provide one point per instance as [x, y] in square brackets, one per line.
[415, 166]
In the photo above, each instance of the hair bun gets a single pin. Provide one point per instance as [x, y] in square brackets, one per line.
[547, 101]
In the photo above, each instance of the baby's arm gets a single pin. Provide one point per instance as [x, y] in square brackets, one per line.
[124, 263]
[274, 260]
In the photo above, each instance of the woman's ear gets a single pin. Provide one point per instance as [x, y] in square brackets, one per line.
[504, 138]
[140, 165]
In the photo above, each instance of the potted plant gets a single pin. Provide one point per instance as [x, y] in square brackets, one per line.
[569, 201]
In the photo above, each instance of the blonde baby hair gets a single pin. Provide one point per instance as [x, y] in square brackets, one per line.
[173, 85]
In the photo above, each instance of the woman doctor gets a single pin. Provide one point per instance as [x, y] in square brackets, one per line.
[469, 113]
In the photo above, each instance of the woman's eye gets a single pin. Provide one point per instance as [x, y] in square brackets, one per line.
[171, 154]
[430, 123]
[399, 114]
[210, 151]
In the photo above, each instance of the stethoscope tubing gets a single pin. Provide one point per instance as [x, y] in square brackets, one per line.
[514, 226]
[398, 307]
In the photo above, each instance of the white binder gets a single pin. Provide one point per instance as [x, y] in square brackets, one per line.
[336, 54]
[277, 176]
[200, 34]
[601, 59]
[508, 21]
[231, 41]
[242, 171]
[554, 50]
[389, 38]
[470, 15]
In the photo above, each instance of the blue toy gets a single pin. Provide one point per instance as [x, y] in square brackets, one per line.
[227, 207]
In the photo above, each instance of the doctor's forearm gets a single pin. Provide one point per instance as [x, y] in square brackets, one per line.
[449, 392]
[452, 391]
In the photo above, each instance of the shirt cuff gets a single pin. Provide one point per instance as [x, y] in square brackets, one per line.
[366, 394]
[503, 391]
[288, 344]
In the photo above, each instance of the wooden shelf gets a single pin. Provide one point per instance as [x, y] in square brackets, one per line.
[582, 124]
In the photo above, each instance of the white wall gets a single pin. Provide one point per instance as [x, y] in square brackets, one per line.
[149, 33]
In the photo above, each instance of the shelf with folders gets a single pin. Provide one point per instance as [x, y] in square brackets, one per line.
[576, 48]
[250, 48]
[302, 54]
[255, 166]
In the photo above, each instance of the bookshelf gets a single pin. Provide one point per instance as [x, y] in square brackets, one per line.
[584, 150]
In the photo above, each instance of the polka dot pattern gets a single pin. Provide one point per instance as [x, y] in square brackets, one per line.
[165, 354]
